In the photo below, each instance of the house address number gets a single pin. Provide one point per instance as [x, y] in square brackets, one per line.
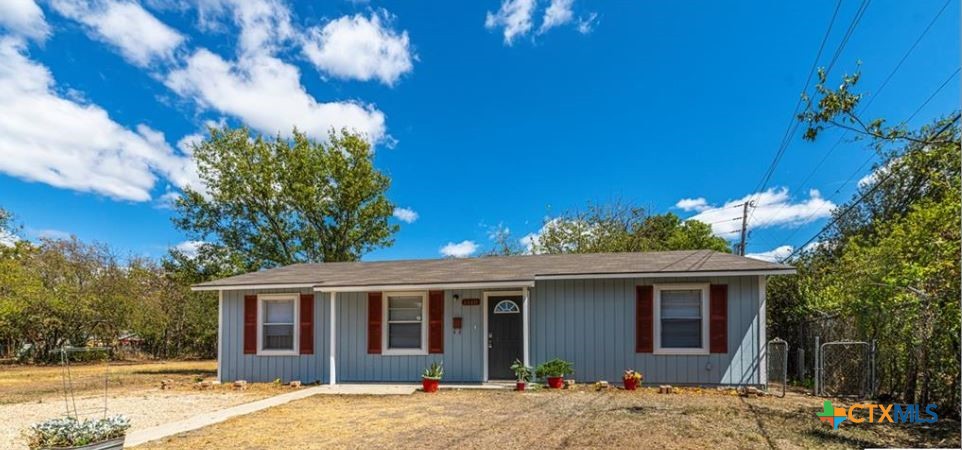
[471, 301]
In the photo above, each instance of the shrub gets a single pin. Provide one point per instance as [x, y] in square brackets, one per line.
[555, 368]
[70, 432]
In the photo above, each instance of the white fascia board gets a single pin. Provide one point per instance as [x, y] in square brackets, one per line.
[241, 287]
[730, 273]
[409, 287]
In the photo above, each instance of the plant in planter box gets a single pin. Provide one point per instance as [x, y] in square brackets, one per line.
[68, 432]
[632, 379]
[522, 372]
[554, 371]
[431, 377]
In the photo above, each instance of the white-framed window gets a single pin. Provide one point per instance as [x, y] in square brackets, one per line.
[681, 319]
[506, 307]
[405, 323]
[277, 330]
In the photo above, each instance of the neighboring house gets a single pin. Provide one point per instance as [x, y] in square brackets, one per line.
[680, 317]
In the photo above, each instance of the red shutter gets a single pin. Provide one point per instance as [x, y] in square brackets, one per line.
[644, 319]
[307, 324]
[436, 322]
[374, 318]
[250, 324]
[718, 318]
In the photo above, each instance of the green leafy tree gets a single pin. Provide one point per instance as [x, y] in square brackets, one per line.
[888, 269]
[618, 227]
[273, 201]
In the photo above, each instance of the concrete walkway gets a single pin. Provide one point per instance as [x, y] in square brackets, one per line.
[203, 420]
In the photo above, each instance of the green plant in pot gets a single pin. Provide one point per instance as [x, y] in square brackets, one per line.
[522, 373]
[431, 377]
[554, 371]
[71, 433]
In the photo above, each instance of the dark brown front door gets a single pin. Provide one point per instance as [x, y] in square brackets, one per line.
[505, 340]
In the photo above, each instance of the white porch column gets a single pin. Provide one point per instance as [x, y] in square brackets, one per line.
[332, 340]
[762, 330]
[220, 333]
[525, 327]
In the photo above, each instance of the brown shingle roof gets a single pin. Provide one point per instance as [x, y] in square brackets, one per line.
[498, 268]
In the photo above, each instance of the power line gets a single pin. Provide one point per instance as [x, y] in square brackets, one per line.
[794, 122]
[907, 53]
[862, 197]
[860, 167]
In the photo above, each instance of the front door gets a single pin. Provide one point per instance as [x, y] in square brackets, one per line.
[505, 340]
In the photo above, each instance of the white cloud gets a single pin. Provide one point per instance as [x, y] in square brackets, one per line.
[362, 48]
[24, 18]
[587, 23]
[406, 215]
[774, 207]
[189, 248]
[692, 204]
[140, 37]
[259, 88]
[514, 16]
[462, 249]
[529, 241]
[266, 93]
[773, 255]
[8, 238]
[52, 234]
[48, 138]
[264, 24]
[557, 14]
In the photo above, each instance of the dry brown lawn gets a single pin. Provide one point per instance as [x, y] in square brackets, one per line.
[579, 418]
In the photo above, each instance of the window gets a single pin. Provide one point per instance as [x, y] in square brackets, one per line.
[506, 307]
[405, 322]
[681, 324]
[277, 320]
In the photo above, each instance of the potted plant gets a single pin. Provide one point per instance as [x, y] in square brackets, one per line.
[431, 377]
[522, 372]
[88, 434]
[632, 379]
[554, 371]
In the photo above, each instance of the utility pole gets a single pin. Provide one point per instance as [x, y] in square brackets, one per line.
[741, 244]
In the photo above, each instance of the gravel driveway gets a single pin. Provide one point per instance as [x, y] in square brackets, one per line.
[145, 409]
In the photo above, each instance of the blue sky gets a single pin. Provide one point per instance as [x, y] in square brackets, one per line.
[483, 113]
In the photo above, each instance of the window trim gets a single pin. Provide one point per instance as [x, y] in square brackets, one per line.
[704, 349]
[261, 314]
[386, 350]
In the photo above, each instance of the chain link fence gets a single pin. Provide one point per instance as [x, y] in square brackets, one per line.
[845, 369]
[777, 366]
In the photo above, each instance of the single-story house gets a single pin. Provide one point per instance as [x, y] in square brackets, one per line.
[679, 317]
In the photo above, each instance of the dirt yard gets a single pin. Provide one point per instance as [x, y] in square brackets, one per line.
[29, 394]
[555, 419]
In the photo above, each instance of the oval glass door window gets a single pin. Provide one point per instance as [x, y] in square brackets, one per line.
[506, 307]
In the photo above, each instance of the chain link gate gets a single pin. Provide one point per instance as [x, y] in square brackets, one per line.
[844, 369]
[777, 366]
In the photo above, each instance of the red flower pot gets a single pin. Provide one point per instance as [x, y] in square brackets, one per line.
[429, 384]
[631, 384]
[556, 382]
[519, 386]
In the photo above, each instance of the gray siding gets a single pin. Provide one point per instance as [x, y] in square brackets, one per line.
[462, 351]
[235, 365]
[592, 324]
[589, 322]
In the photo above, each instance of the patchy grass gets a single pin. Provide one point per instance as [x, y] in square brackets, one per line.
[694, 418]
[28, 383]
